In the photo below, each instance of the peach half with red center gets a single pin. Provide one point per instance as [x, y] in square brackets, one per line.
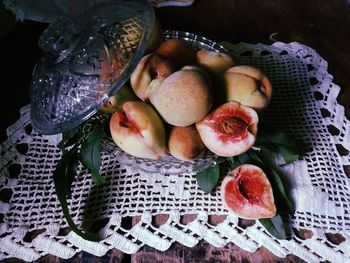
[229, 130]
[247, 192]
[139, 130]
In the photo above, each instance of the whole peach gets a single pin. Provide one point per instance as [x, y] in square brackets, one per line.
[247, 85]
[183, 98]
[178, 51]
[185, 144]
[149, 75]
[216, 62]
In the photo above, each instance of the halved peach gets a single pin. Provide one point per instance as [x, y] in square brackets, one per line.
[229, 130]
[139, 130]
[247, 192]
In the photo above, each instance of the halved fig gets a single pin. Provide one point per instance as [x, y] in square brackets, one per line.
[229, 130]
[247, 192]
[139, 130]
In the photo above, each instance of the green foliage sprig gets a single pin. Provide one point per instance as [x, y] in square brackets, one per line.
[80, 146]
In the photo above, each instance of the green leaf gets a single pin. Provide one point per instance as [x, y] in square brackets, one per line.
[283, 202]
[90, 155]
[72, 168]
[69, 138]
[243, 158]
[280, 143]
[209, 178]
[276, 226]
[63, 177]
[233, 162]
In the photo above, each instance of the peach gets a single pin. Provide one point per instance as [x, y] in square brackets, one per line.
[139, 130]
[247, 192]
[116, 102]
[216, 62]
[185, 144]
[229, 130]
[149, 75]
[183, 98]
[178, 51]
[247, 85]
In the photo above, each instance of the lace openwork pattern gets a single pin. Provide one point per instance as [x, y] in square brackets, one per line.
[304, 104]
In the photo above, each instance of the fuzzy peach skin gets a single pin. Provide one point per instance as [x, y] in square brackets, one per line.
[116, 102]
[247, 85]
[178, 51]
[149, 74]
[229, 130]
[183, 98]
[216, 62]
[139, 131]
[247, 192]
[185, 144]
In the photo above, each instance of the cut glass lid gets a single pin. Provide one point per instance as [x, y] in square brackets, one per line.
[86, 60]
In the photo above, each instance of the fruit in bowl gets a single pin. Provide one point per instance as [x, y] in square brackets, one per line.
[178, 51]
[149, 74]
[183, 98]
[139, 131]
[229, 130]
[247, 85]
[185, 144]
[215, 62]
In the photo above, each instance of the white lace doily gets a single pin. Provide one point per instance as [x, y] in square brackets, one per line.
[304, 103]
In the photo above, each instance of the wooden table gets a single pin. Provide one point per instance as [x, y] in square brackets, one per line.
[321, 24]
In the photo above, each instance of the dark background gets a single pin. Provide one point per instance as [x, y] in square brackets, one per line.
[324, 25]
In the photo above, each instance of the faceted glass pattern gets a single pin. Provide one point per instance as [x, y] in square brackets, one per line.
[86, 60]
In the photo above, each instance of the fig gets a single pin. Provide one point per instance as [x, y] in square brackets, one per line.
[247, 192]
[229, 130]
